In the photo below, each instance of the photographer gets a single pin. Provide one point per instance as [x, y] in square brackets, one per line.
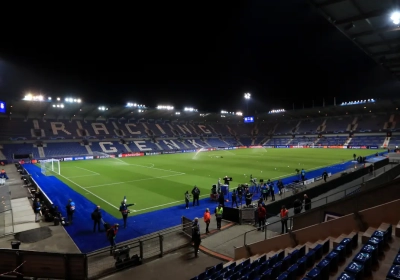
[125, 211]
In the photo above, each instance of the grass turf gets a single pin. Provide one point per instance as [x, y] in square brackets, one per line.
[156, 182]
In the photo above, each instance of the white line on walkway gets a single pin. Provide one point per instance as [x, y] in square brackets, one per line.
[87, 170]
[138, 180]
[113, 206]
[169, 203]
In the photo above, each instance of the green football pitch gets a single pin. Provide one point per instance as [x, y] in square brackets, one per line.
[156, 182]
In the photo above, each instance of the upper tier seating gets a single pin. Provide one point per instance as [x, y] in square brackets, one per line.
[336, 125]
[309, 126]
[286, 127]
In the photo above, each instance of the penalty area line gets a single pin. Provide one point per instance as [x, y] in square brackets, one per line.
[138, 180]
[95, 195]
[165, 204]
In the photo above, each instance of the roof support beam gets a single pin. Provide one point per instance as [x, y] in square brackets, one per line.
[376, 31]
[385, 42]
[372, 14]
[395, 51]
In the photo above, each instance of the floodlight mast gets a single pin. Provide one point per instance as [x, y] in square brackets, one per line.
[247, 96]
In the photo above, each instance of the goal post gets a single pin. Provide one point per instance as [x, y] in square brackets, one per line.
[309, 144]
[49, 166]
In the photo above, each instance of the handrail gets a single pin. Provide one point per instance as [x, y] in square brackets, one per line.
[347, 191]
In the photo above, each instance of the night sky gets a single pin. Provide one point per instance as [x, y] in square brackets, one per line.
[282, 52]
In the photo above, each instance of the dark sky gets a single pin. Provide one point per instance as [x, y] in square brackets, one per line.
[188, 55]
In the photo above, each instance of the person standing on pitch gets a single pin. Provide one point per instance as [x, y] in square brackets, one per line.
[207, 219]
[111, 235]
[70, 210]
[218, 214]
[196, 195]
[234, 198]
[187, 198]
[96, 217]
[125, 211]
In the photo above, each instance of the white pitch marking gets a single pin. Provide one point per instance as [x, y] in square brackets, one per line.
[138, 180]
[144, 166]
[113, 206]
[72, 177]
[169, 203]
[87, 170]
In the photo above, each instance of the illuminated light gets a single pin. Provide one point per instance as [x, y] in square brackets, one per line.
[395, 17]
[239, 114]
[79, 100]
[276, 111]
[247, 95]
[54, 105]
[58, 98]
[163, 107]
[224, 112]
[177, 113]
[62, 105]
[49, 98]
[189, 109]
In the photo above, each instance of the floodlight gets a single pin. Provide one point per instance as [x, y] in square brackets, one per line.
[79, 100]
[395, 17]
[58, 98]
[54, 105]
[239, 114]
[49, 98]
[62, 105]
[177, 113]
[247, 95]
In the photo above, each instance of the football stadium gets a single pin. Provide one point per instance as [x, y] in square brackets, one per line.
[95, 191]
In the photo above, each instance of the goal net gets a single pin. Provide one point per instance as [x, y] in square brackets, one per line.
[50, 166]
[304, 144]
[100, 155]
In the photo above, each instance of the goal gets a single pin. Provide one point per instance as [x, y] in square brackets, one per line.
[303, 144]
[50, 166]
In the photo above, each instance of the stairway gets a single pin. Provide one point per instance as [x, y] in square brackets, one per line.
[347, 141]
[41, 152]
[290, 141]
[386, 142]
[89, 150]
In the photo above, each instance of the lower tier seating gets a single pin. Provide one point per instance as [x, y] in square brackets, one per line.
[354, 256]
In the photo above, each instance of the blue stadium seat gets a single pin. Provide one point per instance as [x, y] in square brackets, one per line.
[246, 262]
[201, 276]
[381, 235]
[348, 244]
[254, 264]
[397, 259]
[376, 242]
[232, 265]
[292, 272]
[283, 276]
[264, 267]
[302, 266]
[235, 276]
[273, 260]
[245, 270]
[294, 256]
[334, 260]
[372, 251]
[326, 247]
[318, 251]
[219, 267]
[356, 269]
[276, 270]
[286, 262]
[302, 252]
[365, 260]
[229, 273]
[314, 273]
[324, 267]
[310, 259]
[262, 259]
[267, 274]
[394, 272]
[346, 276]
[341, 251]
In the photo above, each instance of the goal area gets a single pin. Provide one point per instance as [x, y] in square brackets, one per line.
[49, 166]
[308, 144]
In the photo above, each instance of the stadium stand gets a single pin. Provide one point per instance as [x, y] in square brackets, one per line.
[343, 254]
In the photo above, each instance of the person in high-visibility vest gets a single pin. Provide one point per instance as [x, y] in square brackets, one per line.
[284, 218]
[218, 214]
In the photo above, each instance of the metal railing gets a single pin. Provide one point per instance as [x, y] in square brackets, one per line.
[6, 217]
[101, 262]
[330, 197]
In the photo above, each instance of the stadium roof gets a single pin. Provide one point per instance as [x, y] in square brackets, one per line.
[39, 110]
[369, 25]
